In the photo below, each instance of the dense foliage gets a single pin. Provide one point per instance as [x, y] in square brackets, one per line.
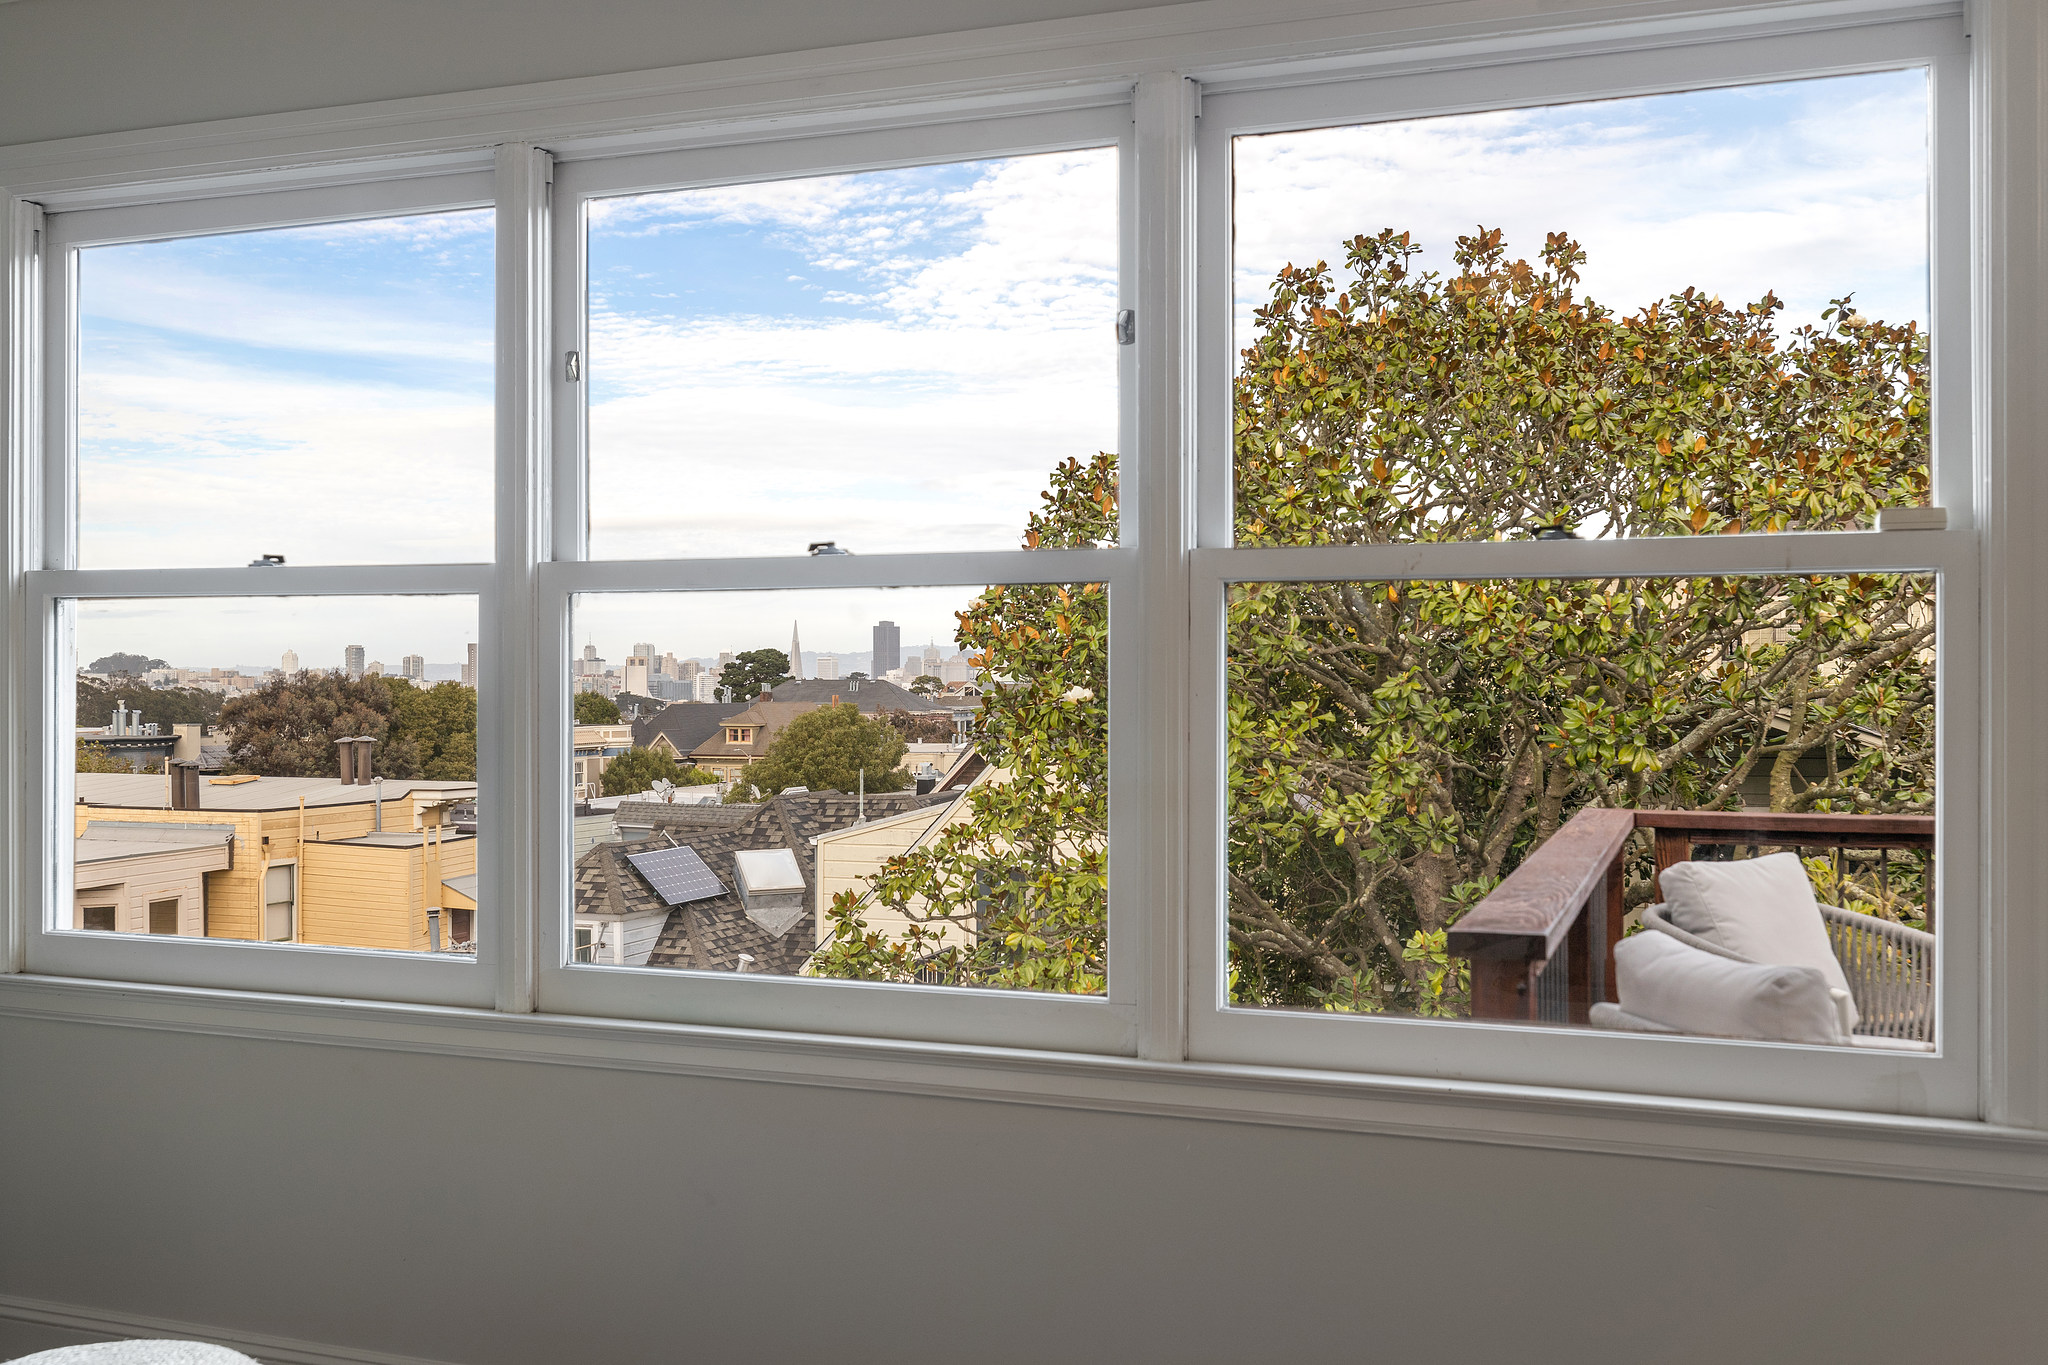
[753, 672]
[288, 727]
[1396, 747]
[94, 758]
[166, 706]
[834, 748]
[1013, 893]
[637, 770]
[594, 708]
[920, 727]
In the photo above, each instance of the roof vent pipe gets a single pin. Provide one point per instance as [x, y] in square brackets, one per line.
[378, 783]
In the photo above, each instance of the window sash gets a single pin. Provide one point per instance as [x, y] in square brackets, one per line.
[1764, 1072]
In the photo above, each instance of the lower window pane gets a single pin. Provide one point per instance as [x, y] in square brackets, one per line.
[905, 785]
[280, 770]
[1700, 805]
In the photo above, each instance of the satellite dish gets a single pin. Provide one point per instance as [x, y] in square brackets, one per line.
[662, 787]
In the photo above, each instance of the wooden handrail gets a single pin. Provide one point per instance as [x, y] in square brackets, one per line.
[1555, 899]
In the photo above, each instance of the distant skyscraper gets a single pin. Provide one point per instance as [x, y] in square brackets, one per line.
[469, 669]
[888, 648]
[828, 665]
[638, 667]
[932, 659]
[646, 652]
[353, 656]
[796, 653]
[413, 666]
[374, 669]
[291, 661]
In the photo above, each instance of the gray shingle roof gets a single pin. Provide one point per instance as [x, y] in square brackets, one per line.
[874, 695]
[686, 723]
[710, 935]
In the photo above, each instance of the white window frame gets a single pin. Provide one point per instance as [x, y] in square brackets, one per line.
[54, 583]
[1579, 1057]
[754, 1000]
[1165, 1054]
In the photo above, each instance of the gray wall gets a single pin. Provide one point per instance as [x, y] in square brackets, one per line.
[511, 1213]
[505, 1213]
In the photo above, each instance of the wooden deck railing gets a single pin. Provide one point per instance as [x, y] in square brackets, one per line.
[1542, 945]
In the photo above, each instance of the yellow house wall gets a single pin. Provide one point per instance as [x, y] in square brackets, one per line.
[234, 898]
[363, 896]
[847, 861]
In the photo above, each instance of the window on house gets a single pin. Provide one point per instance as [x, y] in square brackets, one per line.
[163, 916]
[280, 903]
[97, 918]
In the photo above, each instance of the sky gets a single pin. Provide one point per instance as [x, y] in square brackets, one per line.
[1809, 189]
[891, 360]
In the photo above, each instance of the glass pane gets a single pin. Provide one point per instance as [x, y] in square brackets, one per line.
[1429, 782]
[321, 393]
[911, 786]
[885, 360]
[260, 759]
[1682, 314]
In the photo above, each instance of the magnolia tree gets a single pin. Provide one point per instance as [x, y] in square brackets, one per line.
[1396, 747]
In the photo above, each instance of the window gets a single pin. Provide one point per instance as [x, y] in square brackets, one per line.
[1458, 780]
[163, 916]
[728, 566]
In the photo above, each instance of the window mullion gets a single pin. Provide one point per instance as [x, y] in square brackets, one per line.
[522, 849]
[1149, 787]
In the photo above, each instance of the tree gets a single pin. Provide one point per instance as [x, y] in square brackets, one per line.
[926, 685]
[637, 770]
[167, 705]
[94, 759]
[134, 665]
[920, 727]
[1396, 748]
[1014, 893]
[432, 734]
[754, 672]
[834, 748]
[594, 708]
[287, 727]
[856, 677]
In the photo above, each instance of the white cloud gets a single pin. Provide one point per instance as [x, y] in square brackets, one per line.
[1811, 189]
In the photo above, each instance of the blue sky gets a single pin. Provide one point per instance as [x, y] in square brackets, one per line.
[888, 359]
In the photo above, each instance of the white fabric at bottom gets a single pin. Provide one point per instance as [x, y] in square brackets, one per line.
[149, 1352]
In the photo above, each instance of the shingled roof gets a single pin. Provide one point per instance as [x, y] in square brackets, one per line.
[870, 696]
[710, 935]
[687, 724]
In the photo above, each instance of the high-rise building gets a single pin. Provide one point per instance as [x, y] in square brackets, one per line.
[796, 653]
[646, 652]
[932, 659]
[374, 669]
[469, 669]
[688, 668]
[290, 661]
[638, 667]
[724, 660]
[353, 657]
[888, 648]
[673, 667]
[413, 666]
[828, 666]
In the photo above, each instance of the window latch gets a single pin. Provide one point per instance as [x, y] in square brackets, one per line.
[1127, 327]
[572, 366]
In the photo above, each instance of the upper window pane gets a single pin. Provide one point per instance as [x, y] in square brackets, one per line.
[886, 360]
[322, 393]
[1681, 314]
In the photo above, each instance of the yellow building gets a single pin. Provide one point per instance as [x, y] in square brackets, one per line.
[277, 859]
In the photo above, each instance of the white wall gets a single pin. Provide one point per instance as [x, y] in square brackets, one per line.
[466, 1210]
[324, 1193]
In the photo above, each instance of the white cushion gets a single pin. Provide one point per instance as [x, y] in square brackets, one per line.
[1681, 987]
[1761, 909]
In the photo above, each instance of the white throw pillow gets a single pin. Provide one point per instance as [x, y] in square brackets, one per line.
[1681, 987]
[1761, 909]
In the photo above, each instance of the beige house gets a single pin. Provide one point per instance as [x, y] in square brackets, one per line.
[741, 739]
[276, 859]
[595, 747]
[849, 859]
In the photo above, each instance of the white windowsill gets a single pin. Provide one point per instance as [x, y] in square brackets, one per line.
[1884, 1146]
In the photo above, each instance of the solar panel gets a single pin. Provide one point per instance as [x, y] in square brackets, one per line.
[677, 874]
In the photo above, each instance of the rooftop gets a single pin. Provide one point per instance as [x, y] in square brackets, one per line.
[150, 791]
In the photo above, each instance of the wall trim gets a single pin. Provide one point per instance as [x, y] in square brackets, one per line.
[1086, 59]
[1839, 1142]
[272, 1350]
